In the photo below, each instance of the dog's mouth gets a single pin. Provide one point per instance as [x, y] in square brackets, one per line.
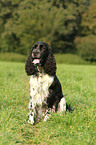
[37, 65]
[36, 62]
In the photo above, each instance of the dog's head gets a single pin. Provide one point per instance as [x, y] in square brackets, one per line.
[41, 55]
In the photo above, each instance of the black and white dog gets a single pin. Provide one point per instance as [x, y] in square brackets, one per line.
[45, 89]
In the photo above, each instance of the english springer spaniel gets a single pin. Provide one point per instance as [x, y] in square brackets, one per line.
[45, 89]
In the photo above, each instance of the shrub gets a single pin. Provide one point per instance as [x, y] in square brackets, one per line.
[12, 57]
[86, 47]
[69, 59]
[60, 58]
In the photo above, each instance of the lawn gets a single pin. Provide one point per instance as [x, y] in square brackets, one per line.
[75, 128]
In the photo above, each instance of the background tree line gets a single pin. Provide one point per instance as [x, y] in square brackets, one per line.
[68, 26]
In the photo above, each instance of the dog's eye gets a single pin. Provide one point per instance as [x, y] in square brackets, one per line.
[35, 46]
[41, 47]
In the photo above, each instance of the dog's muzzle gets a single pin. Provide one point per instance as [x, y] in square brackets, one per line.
[36, 57]
[36, 54]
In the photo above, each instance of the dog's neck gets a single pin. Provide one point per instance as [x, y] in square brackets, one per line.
[39, 71]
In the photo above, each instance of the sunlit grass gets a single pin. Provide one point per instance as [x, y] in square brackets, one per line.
[60, 58]
[76, 128]
[14, 57]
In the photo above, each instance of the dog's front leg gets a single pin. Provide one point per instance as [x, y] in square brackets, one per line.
[48, 113]
[31, 114]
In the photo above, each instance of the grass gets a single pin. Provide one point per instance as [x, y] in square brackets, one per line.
[14, 57]
[76, 128]
[60, 58]
[70, 59]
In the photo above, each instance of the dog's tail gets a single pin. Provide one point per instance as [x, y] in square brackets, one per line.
[69, 108]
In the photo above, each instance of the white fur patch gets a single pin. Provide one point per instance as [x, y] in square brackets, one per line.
[39, 88]
[31, 119]
[62, 105]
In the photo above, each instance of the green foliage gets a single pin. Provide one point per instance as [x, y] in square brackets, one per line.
[25, 22]
[12, 57]
[86, 47]
[76, 128]
[88, 23]
[58, 23]
[86, 42]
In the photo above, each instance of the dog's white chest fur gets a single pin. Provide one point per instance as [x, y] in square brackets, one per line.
[39, 88]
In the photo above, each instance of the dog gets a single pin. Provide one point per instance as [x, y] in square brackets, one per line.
[45, 89]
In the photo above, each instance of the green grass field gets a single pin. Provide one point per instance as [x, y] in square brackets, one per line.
[60, 58]
[76, 128]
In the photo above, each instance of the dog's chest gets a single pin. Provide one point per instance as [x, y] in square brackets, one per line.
[39, 87]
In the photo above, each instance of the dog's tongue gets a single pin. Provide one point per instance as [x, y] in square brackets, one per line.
[35, 61]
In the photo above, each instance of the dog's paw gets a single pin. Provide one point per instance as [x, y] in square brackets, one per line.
[31, 119]
[46, 117]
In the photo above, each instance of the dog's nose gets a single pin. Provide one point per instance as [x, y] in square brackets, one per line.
[36, 53]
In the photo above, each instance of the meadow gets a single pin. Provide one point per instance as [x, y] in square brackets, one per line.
[71, 128]
[60, 58]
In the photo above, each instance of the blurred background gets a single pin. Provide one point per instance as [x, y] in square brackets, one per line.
[68, 26]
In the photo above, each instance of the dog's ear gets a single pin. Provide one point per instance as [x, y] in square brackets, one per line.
[50, 64]
[29, 67]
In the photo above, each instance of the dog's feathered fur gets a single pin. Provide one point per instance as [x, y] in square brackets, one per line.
[43, 73]
[48, 61]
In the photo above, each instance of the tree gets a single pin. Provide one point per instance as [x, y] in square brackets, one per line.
[8, 39]
[52, 21]
[86, 47]
[86, 43]
[88, 24]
